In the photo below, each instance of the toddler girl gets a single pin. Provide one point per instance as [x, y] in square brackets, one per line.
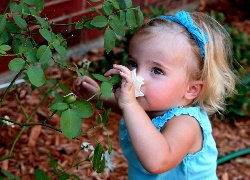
[185, 63]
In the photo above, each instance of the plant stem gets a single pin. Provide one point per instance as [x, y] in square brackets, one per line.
[28, 119]
[48, 118]
[7, 157]
[21, 106]
[8, 89]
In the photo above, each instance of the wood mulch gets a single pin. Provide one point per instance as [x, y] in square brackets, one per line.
[36, 142]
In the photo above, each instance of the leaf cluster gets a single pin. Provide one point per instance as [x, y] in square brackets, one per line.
[113, 18]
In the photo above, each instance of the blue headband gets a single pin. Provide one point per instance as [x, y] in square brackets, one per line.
[185, 20]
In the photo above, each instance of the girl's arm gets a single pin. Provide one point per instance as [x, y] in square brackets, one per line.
[157, 151]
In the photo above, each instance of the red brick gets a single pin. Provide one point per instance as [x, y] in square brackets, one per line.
[63, 27]
[76, 39]
[91, 34]
[152, 1]
[3, 4]
[190, 1]
[61, 8]
[89, 4]
[4, 63]
[141, 3]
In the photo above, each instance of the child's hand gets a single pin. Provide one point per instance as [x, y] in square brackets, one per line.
[125, 94]
[85, 87]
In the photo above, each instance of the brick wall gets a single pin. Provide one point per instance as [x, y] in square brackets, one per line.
[67, 11]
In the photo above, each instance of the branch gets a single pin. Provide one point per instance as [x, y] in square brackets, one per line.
[8, 89]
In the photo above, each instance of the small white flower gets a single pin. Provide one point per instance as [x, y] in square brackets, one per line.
[138, 82]
[7, 122]
[86, 147]
[109, 161]
[85, 63]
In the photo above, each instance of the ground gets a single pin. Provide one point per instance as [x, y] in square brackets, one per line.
[36, 142]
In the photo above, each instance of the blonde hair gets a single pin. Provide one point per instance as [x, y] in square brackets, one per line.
[215, 70]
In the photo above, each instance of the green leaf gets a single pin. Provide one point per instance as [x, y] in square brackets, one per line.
[109, 39]
[52, 162]
[6, 37]
[106, 89]
[130, 18]
[79, 25]
[84, 18]
[117, 26]
[4, 48]
[100, 77]
[107, 7]
[60, 106]
[43, 23]
[115, 4]
[40, 175]
[139, 18]
[14, 7]
[88, 25]
[99, 21]
[46, 34]
[20, 21]
[70, 123]
[99, 104]
[61, 50]
[15, 44]
[83, 108]
[105, 117]
[64, 176]
[64, 88]
[8, 174]
[33, 11]
[11, 26]
[16, 64]
[36, 76]
[2, 23]
[115, 79]
[96, 10]
[24, 10]
[99, 120]
[44, 54]
[30, 2]
[128, 3]
[31, 56]
[123, 17]
[98, 158]
[40, 5]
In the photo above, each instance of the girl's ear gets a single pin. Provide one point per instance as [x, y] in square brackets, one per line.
[194, 89]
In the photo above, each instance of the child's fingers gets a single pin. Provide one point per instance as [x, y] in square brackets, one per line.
[112, 72]
[89, 80]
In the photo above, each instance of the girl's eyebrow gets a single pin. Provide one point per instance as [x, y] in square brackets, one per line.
[160, 65]
[151, 62]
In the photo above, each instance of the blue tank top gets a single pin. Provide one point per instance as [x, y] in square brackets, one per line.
[201, 165]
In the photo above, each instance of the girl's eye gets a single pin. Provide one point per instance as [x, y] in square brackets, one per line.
[132, 64]
[157, 71]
